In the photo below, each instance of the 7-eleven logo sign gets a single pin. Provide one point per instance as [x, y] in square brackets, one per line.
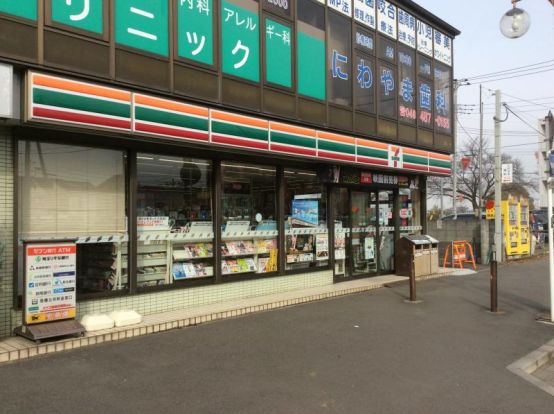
[396, 158]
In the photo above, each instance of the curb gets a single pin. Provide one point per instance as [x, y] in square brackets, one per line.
[526, 366]
[20, 352]
[16, 349]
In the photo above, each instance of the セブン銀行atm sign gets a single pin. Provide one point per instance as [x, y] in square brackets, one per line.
[50, 282]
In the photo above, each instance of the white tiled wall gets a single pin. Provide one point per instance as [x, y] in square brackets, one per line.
[6, 230]
[157, 302]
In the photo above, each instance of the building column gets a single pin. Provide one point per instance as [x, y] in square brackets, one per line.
[7, 197]
[423, 203]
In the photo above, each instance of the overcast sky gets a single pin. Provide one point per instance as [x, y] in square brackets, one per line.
[482, 49]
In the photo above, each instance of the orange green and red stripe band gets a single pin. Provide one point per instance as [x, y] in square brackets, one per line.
[61, 100]
[82, 103]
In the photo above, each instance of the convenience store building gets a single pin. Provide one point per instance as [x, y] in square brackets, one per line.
[198, 152]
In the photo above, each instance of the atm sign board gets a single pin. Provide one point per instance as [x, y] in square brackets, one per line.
[50, 282]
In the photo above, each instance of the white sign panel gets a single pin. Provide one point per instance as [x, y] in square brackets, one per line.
[342, 6]
[424, 38]
[507, 173]
[50, 282]
[406, 28]
[386, 18]
[201, 227]
[152, 223]
[443, 48]
[364, 12]
[6, 91]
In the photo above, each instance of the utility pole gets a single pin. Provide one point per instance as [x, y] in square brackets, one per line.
[483, 224]
[550, 247]
[550, 183]
[497, 179]
[454, 161]
[442, 198]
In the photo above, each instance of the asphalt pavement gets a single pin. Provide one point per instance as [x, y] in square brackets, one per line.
[364, 353]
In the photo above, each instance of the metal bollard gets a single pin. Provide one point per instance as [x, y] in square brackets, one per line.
[413, 297]
[494, 286]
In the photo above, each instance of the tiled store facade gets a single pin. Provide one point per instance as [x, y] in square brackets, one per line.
[6, 230]
[151, 302]
[175, 183]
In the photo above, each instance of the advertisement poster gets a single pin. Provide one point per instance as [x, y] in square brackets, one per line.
[50, 280]
[369, 248]
[153, 223]
[340, 244]
[322, 246]
[305, 213]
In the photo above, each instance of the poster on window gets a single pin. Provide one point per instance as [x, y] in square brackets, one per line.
[443, 48]
[50, 282]
[342, 6]
[322, 246]
[406, 28]
[424, 38]
[369, 248]
[160, 223]
[305, 213]
[364, 12]
[386, 18]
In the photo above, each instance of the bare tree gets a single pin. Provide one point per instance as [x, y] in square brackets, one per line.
[469, 179]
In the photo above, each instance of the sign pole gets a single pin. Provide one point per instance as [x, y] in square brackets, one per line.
[551, 248]
[497, 180]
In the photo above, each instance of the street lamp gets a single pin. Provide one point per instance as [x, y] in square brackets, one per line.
[515, 22]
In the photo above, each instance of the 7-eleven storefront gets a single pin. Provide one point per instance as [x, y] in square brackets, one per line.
[173, 205]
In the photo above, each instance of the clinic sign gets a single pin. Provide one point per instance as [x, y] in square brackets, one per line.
[240, 39]
[195, 28]
[344, 52]
[144, 25]
[50, 282]
[85, 15]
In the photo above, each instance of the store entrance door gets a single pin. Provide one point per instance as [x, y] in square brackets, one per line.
[355, 223]
[386, 231]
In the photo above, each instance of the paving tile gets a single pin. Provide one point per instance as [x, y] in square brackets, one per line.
[201, 314]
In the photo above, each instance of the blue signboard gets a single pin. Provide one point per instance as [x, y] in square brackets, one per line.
[305, 212]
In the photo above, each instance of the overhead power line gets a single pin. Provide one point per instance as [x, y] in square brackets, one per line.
[504, 72]
[518, 76]
[522, 120]
[526, 100]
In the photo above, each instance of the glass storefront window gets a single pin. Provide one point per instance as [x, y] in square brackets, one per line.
[307, 237]
[410, 215]
[249, 208]
[364, 232]
[341, 209]
[174, 219]
[69, 192]
[386, 231]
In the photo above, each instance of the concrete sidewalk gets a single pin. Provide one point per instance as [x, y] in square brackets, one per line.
[16, 348]
[359, 353]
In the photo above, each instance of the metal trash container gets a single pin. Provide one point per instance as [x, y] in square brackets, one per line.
[433, 255]
[414, 249]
